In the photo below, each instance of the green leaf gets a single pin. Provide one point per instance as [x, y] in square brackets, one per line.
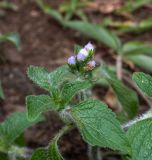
[11, 37]
[145, 24]
[72, 88]
[51, 153]
[143, 61]
[20, 141]
[39, 75]
[140, 138]
[131, 6]
[60, 75]
[96, 32]
[1, 91]
[7, 5]
[126, 96]
[99, 126]
[128, 26]
[14, 125]
[37, 105]
[144, 82]
[135, 47]
[52, 12]
[40, 154]
[49, 81]
[53, 150]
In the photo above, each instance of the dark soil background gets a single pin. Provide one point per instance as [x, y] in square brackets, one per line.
[46, 43]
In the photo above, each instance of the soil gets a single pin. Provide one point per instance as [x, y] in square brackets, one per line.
[44, 43]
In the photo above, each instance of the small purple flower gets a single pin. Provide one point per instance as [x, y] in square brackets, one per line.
[72, 60]
[89, 46]
[92, 63]
[81, 57]
[82, 54]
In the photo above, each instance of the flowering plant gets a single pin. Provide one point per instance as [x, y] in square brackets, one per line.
[70, 96]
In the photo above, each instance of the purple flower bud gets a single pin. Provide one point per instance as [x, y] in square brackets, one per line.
[83, 53]
[72, 60]
[92, 63]
[81, 57]
[89, 46]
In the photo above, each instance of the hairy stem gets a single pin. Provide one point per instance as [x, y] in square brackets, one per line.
[137, 119]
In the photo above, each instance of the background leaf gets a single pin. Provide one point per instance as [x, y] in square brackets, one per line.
[11, 37]
[135, 47]
[131, 6]
[7, 5]
[96, 32]
[38, 104]
[144, 82]
[126, 96]
[128, 26]
[14, 125]
[1, 91]
[52, 12]
[142, 61]
[99, 126]
[140, 138]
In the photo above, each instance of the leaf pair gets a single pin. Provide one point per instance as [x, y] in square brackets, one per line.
[53, 82]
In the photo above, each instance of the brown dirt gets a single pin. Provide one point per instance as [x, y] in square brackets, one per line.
[44, 43]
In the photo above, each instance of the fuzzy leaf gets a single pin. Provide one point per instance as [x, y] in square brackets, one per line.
[99, 126]
[14, 125]
[40, 154]
[38, 104]
[96, 32]
[39, 75]
[53, 151]
[72, 88]
[140, 138]
[61, 74]
[49, 81]
[126, 96]
[144, 82]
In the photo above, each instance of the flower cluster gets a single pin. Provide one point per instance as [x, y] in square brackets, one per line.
[83, 60]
